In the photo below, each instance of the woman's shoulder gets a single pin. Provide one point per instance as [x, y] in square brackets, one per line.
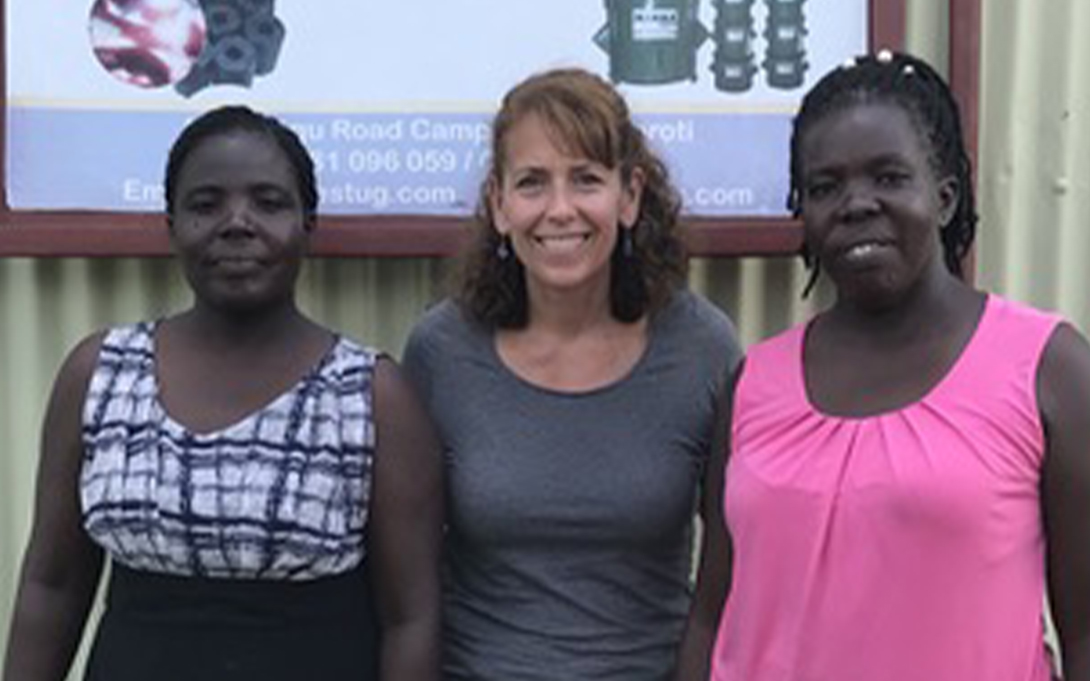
[444, 331]
[693, 325]
[1013, 311]
[445, 322]
[82, 358]
[699, 322]
[347, 351]
[132, 336]
[120, 339]
[781, 346]
[693, 313]
[111, 348]
[1010, 331]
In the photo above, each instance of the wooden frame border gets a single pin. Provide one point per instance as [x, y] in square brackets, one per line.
[106, 234]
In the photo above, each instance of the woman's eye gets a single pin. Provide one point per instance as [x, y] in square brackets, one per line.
[892, 178]
[202, 206]
[528, 182]
[588, 179]
[272, 204]
[818, 189]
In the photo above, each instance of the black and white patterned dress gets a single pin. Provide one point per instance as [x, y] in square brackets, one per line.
[237, 553]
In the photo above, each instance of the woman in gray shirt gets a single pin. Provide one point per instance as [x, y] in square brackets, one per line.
[575, 385]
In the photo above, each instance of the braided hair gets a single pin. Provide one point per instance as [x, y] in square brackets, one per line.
[913, 85]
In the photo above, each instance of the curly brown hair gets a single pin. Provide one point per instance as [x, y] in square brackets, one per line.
[591, 119]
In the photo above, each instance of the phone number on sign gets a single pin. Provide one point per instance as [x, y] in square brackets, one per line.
[422, 161]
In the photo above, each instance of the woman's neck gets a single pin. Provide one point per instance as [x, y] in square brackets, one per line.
[928, 307]
[569, 313]
[241, 330]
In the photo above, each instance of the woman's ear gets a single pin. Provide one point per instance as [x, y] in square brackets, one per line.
[495, 205]
[309, 224]
[949, 193]
[632, 194]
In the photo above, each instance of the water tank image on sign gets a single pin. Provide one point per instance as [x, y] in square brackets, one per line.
[651, 42]
[733, 65]
[785, 35]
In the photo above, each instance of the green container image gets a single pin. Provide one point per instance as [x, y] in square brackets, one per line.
[785, 33]
[733, 62]
[651, 42]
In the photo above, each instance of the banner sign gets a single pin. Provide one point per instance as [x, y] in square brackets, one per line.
[394, 99]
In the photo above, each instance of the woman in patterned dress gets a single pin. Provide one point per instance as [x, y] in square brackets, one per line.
[269, 493]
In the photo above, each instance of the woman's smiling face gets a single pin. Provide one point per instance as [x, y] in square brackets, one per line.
[561, 211]
[871, 202]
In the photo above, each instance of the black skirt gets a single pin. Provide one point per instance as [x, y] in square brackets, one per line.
[165, 628]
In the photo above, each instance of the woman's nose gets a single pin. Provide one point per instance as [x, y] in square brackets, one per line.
[239, 217]
[561, 206]
[859, 200]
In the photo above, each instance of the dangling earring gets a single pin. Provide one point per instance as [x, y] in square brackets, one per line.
[626, 241]
[503, 250]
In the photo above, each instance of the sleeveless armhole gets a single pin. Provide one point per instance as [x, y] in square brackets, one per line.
[1030, 338]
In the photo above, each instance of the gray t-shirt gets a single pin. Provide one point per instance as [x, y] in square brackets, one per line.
[568, 548]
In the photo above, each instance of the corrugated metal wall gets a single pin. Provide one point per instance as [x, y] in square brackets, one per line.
[1034, 185]
[1035, 153]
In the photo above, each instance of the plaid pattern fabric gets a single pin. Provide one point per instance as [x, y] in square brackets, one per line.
[281, 494]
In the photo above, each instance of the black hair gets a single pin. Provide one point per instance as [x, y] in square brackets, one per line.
[229, 119]
[908, 82]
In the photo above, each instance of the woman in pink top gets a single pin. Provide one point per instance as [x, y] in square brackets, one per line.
[910, 469]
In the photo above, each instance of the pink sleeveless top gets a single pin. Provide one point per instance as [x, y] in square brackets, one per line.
[906, 546]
